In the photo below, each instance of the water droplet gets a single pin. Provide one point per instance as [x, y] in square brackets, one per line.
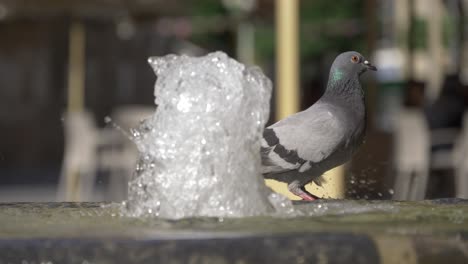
[135, 133]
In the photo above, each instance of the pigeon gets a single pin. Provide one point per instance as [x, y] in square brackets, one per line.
[300, 148]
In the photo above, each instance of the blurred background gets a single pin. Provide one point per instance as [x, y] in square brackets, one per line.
[74, 79]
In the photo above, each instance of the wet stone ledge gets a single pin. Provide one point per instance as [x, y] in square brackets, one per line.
[340, 232]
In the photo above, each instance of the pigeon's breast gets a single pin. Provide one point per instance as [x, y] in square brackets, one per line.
[354, 132]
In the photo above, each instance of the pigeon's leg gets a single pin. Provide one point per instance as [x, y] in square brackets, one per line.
[300, 191]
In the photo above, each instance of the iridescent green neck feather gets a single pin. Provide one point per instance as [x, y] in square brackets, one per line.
[337, 75]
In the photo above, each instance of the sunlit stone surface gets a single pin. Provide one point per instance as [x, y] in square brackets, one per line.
[200, 150]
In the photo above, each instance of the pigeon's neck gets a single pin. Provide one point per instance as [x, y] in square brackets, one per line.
[343, 86]
[346, 91]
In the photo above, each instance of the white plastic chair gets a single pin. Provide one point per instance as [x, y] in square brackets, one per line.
[79, 164]
[120, 160]
[412, 154]
[89, 149]
[460, 161]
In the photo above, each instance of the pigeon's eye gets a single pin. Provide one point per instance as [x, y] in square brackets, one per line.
[354, 59]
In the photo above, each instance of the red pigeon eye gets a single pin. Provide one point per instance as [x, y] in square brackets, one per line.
[354, 59]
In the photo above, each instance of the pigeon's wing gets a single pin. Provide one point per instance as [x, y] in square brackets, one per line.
[312, 135]
[275, 157]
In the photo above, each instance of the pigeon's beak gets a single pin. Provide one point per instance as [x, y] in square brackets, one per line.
[369, 65]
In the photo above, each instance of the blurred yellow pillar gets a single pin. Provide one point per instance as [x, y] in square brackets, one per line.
[333, 187]
[287, 91]
[76, 67]
[287, 54]
[76, 93]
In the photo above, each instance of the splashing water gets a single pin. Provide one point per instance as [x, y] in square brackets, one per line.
[199, 153]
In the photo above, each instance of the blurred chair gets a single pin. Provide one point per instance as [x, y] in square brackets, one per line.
[79, 163]
[89, 150]
[428, 139]
[120, 159]
[460, 161]
[411, 155]
[445, 120]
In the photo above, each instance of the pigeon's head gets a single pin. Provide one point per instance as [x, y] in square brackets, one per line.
[349, 65]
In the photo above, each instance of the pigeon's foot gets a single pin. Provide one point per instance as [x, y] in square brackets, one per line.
[307, 197]
[300, 191]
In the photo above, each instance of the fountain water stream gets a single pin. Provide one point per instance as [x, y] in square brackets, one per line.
[199, 152]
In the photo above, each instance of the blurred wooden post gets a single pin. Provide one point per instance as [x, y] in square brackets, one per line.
[76, 73]
[245, 31]
[464, 41]
[287, 58]
[409, 31]
[287, 69]
[371, 36]
[436, 50]
[245, 48]
[76, 90]
[287, 90]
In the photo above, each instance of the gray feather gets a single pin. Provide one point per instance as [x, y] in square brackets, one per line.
[314, 133]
